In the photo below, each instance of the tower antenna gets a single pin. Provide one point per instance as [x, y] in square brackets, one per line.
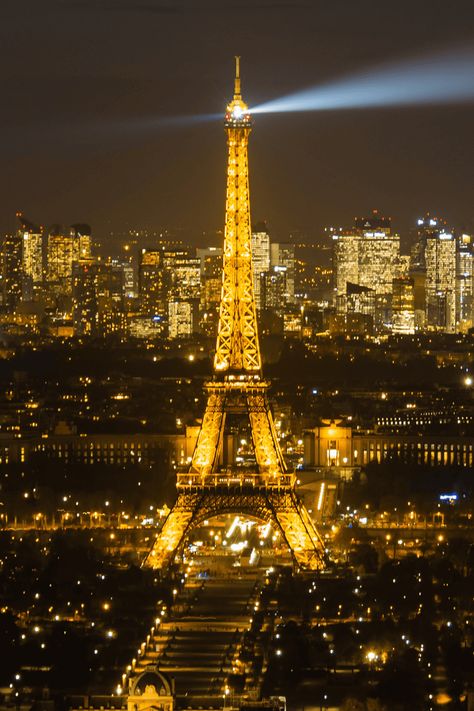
[237, 94]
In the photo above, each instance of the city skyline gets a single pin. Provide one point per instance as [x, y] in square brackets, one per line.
[232, 477]
[97, 126]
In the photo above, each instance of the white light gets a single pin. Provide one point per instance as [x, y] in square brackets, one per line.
[237, 112]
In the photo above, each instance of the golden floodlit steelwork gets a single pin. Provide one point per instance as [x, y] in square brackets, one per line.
[214, 483]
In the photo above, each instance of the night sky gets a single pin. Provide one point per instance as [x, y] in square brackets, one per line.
[84, 84]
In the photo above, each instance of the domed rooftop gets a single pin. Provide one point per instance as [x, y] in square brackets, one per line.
[151, 682]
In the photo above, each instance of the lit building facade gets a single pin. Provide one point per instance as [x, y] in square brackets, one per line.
[83, 235]
[283, 255]
[211, 287]
[151, 283]
[440, 258]
[62, 252]
[12, 272]
[273, 290]
[260, 259]
[32, 251]
[84, 296]
[184, 275]
[403, 305]
[367, 256]
[337, 446]
[464, 283]
[345, 262]
[181, 319]
[98, 299]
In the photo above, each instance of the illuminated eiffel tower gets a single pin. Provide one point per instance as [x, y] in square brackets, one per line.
[210, 487]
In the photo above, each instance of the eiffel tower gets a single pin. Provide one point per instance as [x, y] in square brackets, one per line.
[210, 487]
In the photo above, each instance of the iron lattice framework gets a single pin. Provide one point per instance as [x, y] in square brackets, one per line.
[209, 489]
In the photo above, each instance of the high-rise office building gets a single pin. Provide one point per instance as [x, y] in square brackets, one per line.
[184, 274]
[127, 271]
[12, 273]
[260, 258]
[403, 305]
[152, 286]
[181, 319]
[434, 267]
[464, 282]
[32, 250]
[282, 254]
[367, 256]
[345, 262]
[273, 290]
[426, 226]
[84, 296]
[211, 281]
[97, 298]
[184, 278]
[440, 259]
[63, 250]
[379, 251]
[83, 235]
[211, 287]
[204, 252]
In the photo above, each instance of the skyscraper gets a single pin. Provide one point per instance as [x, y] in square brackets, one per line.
[464, 282]
[345, 263]
[366, 256]
[12, 249]
[282, 254]
[260, 258]
[183, 271]
[440, 259]
[84, 296]
[83, 234]
[181, 319]
[273, 289]
[379, 250]
[32, 250]
[63, 250]
[151, 283]
[97, 298]
[211, 286]
[403, 305]
[184, 274]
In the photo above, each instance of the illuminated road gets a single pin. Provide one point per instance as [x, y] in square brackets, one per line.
[198, 644]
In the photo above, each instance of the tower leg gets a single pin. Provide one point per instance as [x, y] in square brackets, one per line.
[173, 532]
[299, 531]
[267, 451]
[209, 443]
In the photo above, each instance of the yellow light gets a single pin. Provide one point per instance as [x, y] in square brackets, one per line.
[321, 496]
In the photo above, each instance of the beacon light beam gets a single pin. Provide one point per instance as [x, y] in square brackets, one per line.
[145, 124]
[442, 79]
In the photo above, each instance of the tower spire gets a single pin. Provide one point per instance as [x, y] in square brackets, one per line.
[237, 91]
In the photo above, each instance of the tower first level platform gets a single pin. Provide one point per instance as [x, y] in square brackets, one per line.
[243, 496]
